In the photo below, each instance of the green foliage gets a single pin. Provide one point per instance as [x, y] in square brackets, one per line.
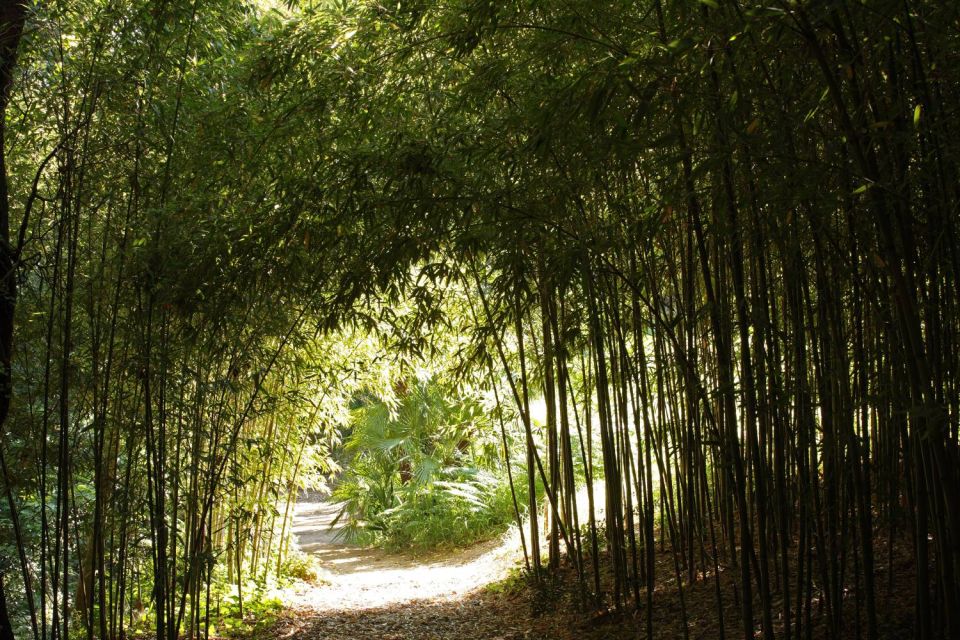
[259, 612]
[742, 218]
[472, 506]
[515, 581]
[419, 472]
[299, 566]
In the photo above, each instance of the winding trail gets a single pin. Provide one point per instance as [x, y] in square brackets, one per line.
[369, 593]
[364, 577]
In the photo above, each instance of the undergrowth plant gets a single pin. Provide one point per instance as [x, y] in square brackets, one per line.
[421, 471]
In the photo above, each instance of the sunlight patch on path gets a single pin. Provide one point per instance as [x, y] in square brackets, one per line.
[369, 578]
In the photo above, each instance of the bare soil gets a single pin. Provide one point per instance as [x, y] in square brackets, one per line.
[463, 595]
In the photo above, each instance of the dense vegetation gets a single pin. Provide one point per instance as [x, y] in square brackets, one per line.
[717, 238]
[425, 473]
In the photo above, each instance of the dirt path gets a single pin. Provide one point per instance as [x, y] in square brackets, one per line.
[370, 593]
[373, 595]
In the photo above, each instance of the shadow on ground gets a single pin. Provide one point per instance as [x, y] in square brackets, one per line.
[472, 618]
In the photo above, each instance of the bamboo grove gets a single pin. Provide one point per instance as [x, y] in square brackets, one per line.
[717, 238]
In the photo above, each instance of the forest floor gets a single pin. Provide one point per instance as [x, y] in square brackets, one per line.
[366, 592]
[363, 578]
[477, 594]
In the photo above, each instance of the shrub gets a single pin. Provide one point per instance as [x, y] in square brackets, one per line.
[421, 474]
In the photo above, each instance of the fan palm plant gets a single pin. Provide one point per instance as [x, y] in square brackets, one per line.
[417, 473]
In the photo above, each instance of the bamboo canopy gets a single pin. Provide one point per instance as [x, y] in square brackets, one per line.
[717, 239]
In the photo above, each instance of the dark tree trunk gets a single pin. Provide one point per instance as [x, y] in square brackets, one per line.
[6, 629]
[12, 16]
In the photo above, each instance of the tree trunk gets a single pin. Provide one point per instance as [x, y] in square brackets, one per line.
[12, 17]
[6, 629]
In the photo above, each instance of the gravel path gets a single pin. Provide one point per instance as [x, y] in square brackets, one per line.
[367, 578]
[369, 594]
